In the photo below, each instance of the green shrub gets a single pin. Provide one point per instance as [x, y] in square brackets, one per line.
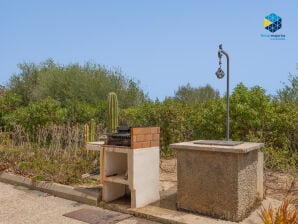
[254, 116]
[40, 113]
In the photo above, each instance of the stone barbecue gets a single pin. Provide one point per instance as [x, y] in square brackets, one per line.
[135, 137]
[126, 159]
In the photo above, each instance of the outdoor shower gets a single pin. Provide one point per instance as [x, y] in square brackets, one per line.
[220, 74]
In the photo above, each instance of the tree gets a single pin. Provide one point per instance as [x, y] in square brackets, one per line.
[89, 83]
[191, 94]
[9, 102]
[24, 83]
[290, 92]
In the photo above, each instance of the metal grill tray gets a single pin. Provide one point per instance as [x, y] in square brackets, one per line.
[121, 135]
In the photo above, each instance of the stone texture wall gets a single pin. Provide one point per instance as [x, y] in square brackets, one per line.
[222, 185]
[247, 183]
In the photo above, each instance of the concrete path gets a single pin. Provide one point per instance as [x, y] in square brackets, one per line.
[19, 205]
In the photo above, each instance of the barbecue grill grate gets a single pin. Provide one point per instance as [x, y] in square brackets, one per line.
[121, 138]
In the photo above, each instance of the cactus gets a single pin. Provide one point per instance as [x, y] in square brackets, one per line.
[113, 112]
[92, 130]
[86, 133]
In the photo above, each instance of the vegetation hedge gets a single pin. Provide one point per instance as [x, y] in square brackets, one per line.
[48, 96]
[254, 116]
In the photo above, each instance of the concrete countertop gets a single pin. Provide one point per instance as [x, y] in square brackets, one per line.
[96, 143]
[244, 147]
[95, 146]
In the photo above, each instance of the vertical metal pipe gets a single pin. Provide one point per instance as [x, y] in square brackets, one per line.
[228, 99]
[228, 93]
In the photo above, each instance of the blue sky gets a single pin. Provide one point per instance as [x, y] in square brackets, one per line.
[161, 43]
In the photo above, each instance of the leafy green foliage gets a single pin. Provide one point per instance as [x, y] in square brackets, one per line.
[80, 90]
[290, 92]
[79, 111]
[254, 116]
[280, 159]
[191, 94]
[8, 102]
[46, 94]
[209, 120]
[170, 116]
[250, 110]
[41, 113]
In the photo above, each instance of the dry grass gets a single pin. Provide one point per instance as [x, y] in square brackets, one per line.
[285, 214]
[54, 153]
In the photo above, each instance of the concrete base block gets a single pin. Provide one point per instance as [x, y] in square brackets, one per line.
[219, 181]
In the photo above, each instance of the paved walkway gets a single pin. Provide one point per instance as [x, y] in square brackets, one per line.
[19, 205]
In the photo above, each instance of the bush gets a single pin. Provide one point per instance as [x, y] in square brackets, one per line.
[41, 113]
[254, 116]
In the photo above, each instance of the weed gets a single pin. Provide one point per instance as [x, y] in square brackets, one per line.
[38, 178]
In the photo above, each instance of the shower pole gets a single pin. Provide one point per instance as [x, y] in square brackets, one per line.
[220, 53]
